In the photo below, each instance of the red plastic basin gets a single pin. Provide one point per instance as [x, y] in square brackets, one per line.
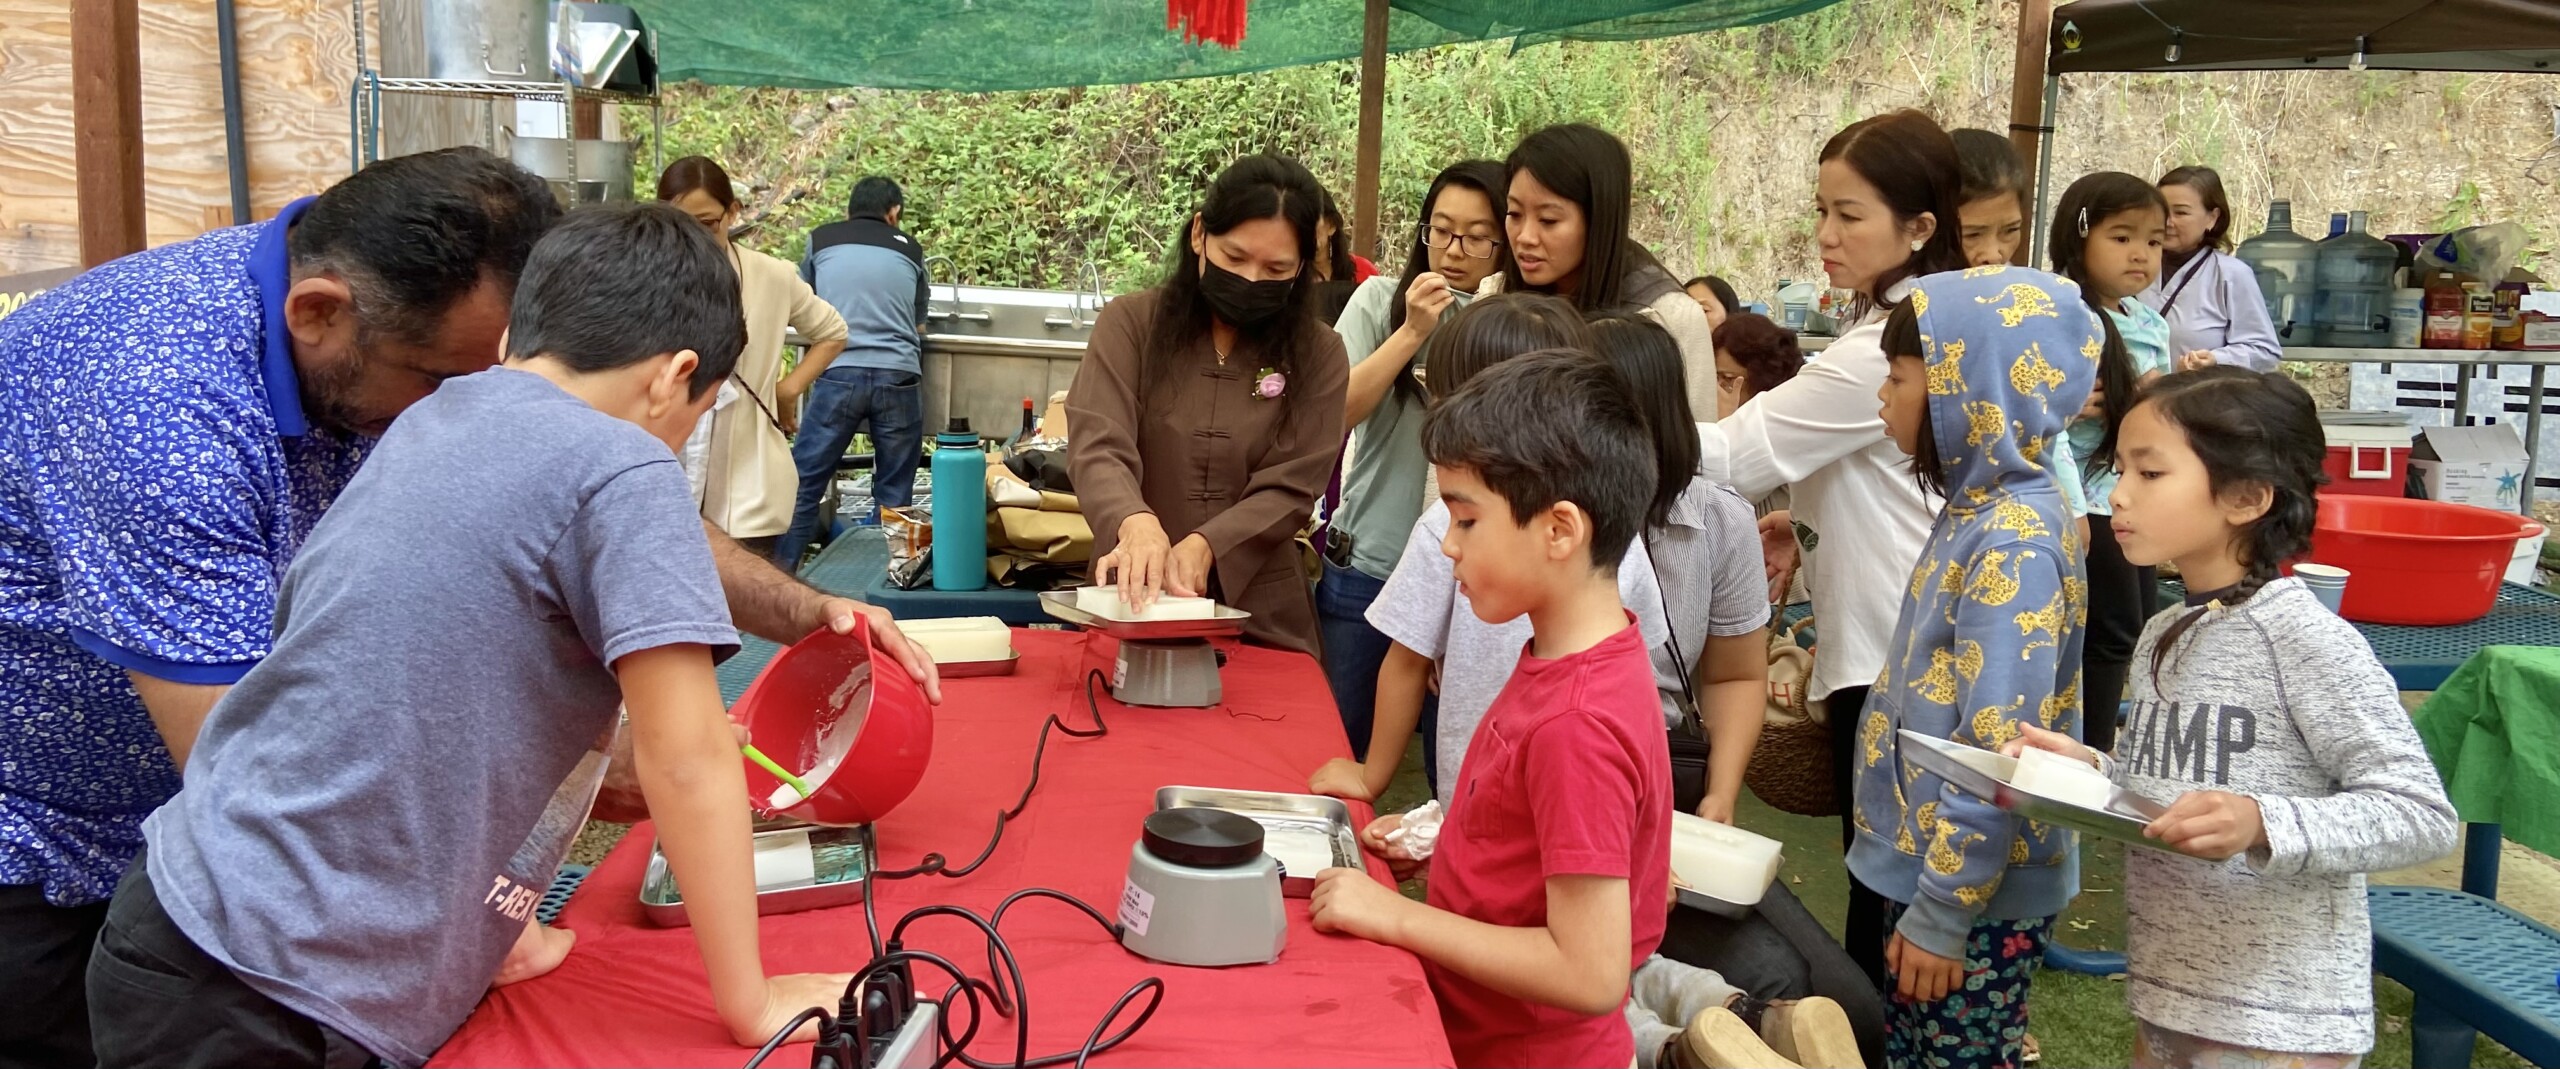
[840, 688]
[2416, 562]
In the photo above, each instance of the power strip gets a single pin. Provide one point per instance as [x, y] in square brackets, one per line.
[918, 1042]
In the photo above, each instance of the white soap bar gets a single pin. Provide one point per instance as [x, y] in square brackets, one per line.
[1721, 861]
[1104, 601]
[785, 860]
[2051, 775]
[968, 638]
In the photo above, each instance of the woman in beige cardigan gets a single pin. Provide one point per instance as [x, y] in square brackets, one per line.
[739, 459]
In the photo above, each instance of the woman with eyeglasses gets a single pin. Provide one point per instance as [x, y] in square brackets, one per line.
[1567, 196]
[1457, 244]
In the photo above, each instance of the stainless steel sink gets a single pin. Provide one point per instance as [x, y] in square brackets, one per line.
[986, 348]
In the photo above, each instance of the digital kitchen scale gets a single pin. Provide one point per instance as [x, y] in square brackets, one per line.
[1167, 663]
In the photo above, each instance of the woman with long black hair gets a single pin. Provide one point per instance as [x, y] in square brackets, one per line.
[1207, 412]
[1457, 244]
[1887, 194]
[1568, 193]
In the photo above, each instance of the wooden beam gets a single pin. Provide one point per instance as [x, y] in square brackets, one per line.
[1373, 106]
[106, 109]
[2027, 118]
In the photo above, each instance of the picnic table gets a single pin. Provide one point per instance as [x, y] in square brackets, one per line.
[2474, 963]
[2422, 658]
[856, 565]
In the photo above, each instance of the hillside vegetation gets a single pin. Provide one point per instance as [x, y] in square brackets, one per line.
[1021, 188]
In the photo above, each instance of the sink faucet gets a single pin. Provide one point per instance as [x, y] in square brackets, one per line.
[951, 274]
[1091, 272]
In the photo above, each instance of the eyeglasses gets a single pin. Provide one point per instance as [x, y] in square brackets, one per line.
[1468, 245]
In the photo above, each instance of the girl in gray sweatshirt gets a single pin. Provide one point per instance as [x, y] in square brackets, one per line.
[2277, 740]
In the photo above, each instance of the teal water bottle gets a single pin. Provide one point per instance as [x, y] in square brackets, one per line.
[959, 508]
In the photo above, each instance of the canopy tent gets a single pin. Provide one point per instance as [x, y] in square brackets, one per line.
[1037, 44]
[2090, 36]
[2193, 35]
[2165, 36]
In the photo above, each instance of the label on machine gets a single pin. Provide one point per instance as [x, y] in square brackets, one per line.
[1136, 907]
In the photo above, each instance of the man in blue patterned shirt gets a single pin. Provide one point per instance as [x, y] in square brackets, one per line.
[172, 424]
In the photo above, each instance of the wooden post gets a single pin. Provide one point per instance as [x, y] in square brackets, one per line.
[106, 113]
[1373, 106]
[2027, 118]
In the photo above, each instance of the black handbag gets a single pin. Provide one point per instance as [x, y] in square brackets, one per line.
[1689, 736]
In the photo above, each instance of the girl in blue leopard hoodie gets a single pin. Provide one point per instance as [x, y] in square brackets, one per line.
[1988, 366]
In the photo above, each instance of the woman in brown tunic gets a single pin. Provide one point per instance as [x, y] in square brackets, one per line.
[1207, 413]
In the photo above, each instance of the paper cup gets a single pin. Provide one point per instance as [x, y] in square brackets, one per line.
[2326, 581]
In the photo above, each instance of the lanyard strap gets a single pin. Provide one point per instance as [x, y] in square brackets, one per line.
[2194, 267]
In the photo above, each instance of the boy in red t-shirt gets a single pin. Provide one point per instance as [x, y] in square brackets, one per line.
[1549, 879]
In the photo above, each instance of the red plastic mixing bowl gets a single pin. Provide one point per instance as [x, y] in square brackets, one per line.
[2416, 562]
[821, 695]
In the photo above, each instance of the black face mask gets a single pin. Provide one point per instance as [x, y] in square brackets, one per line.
[1241, 302]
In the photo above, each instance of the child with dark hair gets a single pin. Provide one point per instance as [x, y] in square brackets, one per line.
[310, 893]
[1421, 610]
[1771, 986]
[1994, 209]
[2249, 946]
[1986, 365]
[2106, 237]
[1548, 881]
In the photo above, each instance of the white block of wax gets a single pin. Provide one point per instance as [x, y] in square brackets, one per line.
[784, 860]
[965, 638]
[2051, 775]
[1721, 861]
[1104, 601]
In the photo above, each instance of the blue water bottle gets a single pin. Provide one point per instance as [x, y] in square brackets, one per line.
[959, 509]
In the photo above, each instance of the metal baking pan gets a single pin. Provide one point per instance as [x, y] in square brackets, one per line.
[1062, 604]
[664, 906]
[1985, 774]
[1305, 833]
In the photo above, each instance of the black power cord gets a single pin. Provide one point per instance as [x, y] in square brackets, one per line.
[870, 1014]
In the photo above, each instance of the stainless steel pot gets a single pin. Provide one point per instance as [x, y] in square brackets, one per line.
[603, 174]
[488, 40]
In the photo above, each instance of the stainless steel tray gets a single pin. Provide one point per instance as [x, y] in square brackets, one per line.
[664, 906]
[1062, 604]
[1985, 774]
[1305, 833]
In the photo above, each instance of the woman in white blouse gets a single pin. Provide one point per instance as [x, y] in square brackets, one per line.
[1887, 194]
[2216, 313]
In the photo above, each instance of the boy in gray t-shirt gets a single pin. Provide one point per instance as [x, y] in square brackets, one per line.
[370, 816]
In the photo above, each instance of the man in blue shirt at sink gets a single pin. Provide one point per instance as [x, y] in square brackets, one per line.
[874, 274]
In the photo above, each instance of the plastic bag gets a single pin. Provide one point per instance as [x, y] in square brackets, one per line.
[1418, 833]
[2485, 253]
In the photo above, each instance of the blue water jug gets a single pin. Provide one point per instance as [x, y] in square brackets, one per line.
[2287, 265]
[2355, 288]
[959, 508]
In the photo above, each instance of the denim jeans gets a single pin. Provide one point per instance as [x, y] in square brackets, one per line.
[841, 403]
[1353, 650]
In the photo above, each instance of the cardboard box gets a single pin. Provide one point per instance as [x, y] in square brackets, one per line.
[2481, 465]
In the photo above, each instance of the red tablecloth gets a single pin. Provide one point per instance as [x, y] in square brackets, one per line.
[634, 994]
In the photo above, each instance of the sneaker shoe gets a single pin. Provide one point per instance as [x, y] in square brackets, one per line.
[1813, 1033]
[1717, 1039]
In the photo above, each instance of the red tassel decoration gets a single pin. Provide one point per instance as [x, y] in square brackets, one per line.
[1207, 20]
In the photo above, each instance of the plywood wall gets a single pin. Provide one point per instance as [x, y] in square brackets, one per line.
[297, 59]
